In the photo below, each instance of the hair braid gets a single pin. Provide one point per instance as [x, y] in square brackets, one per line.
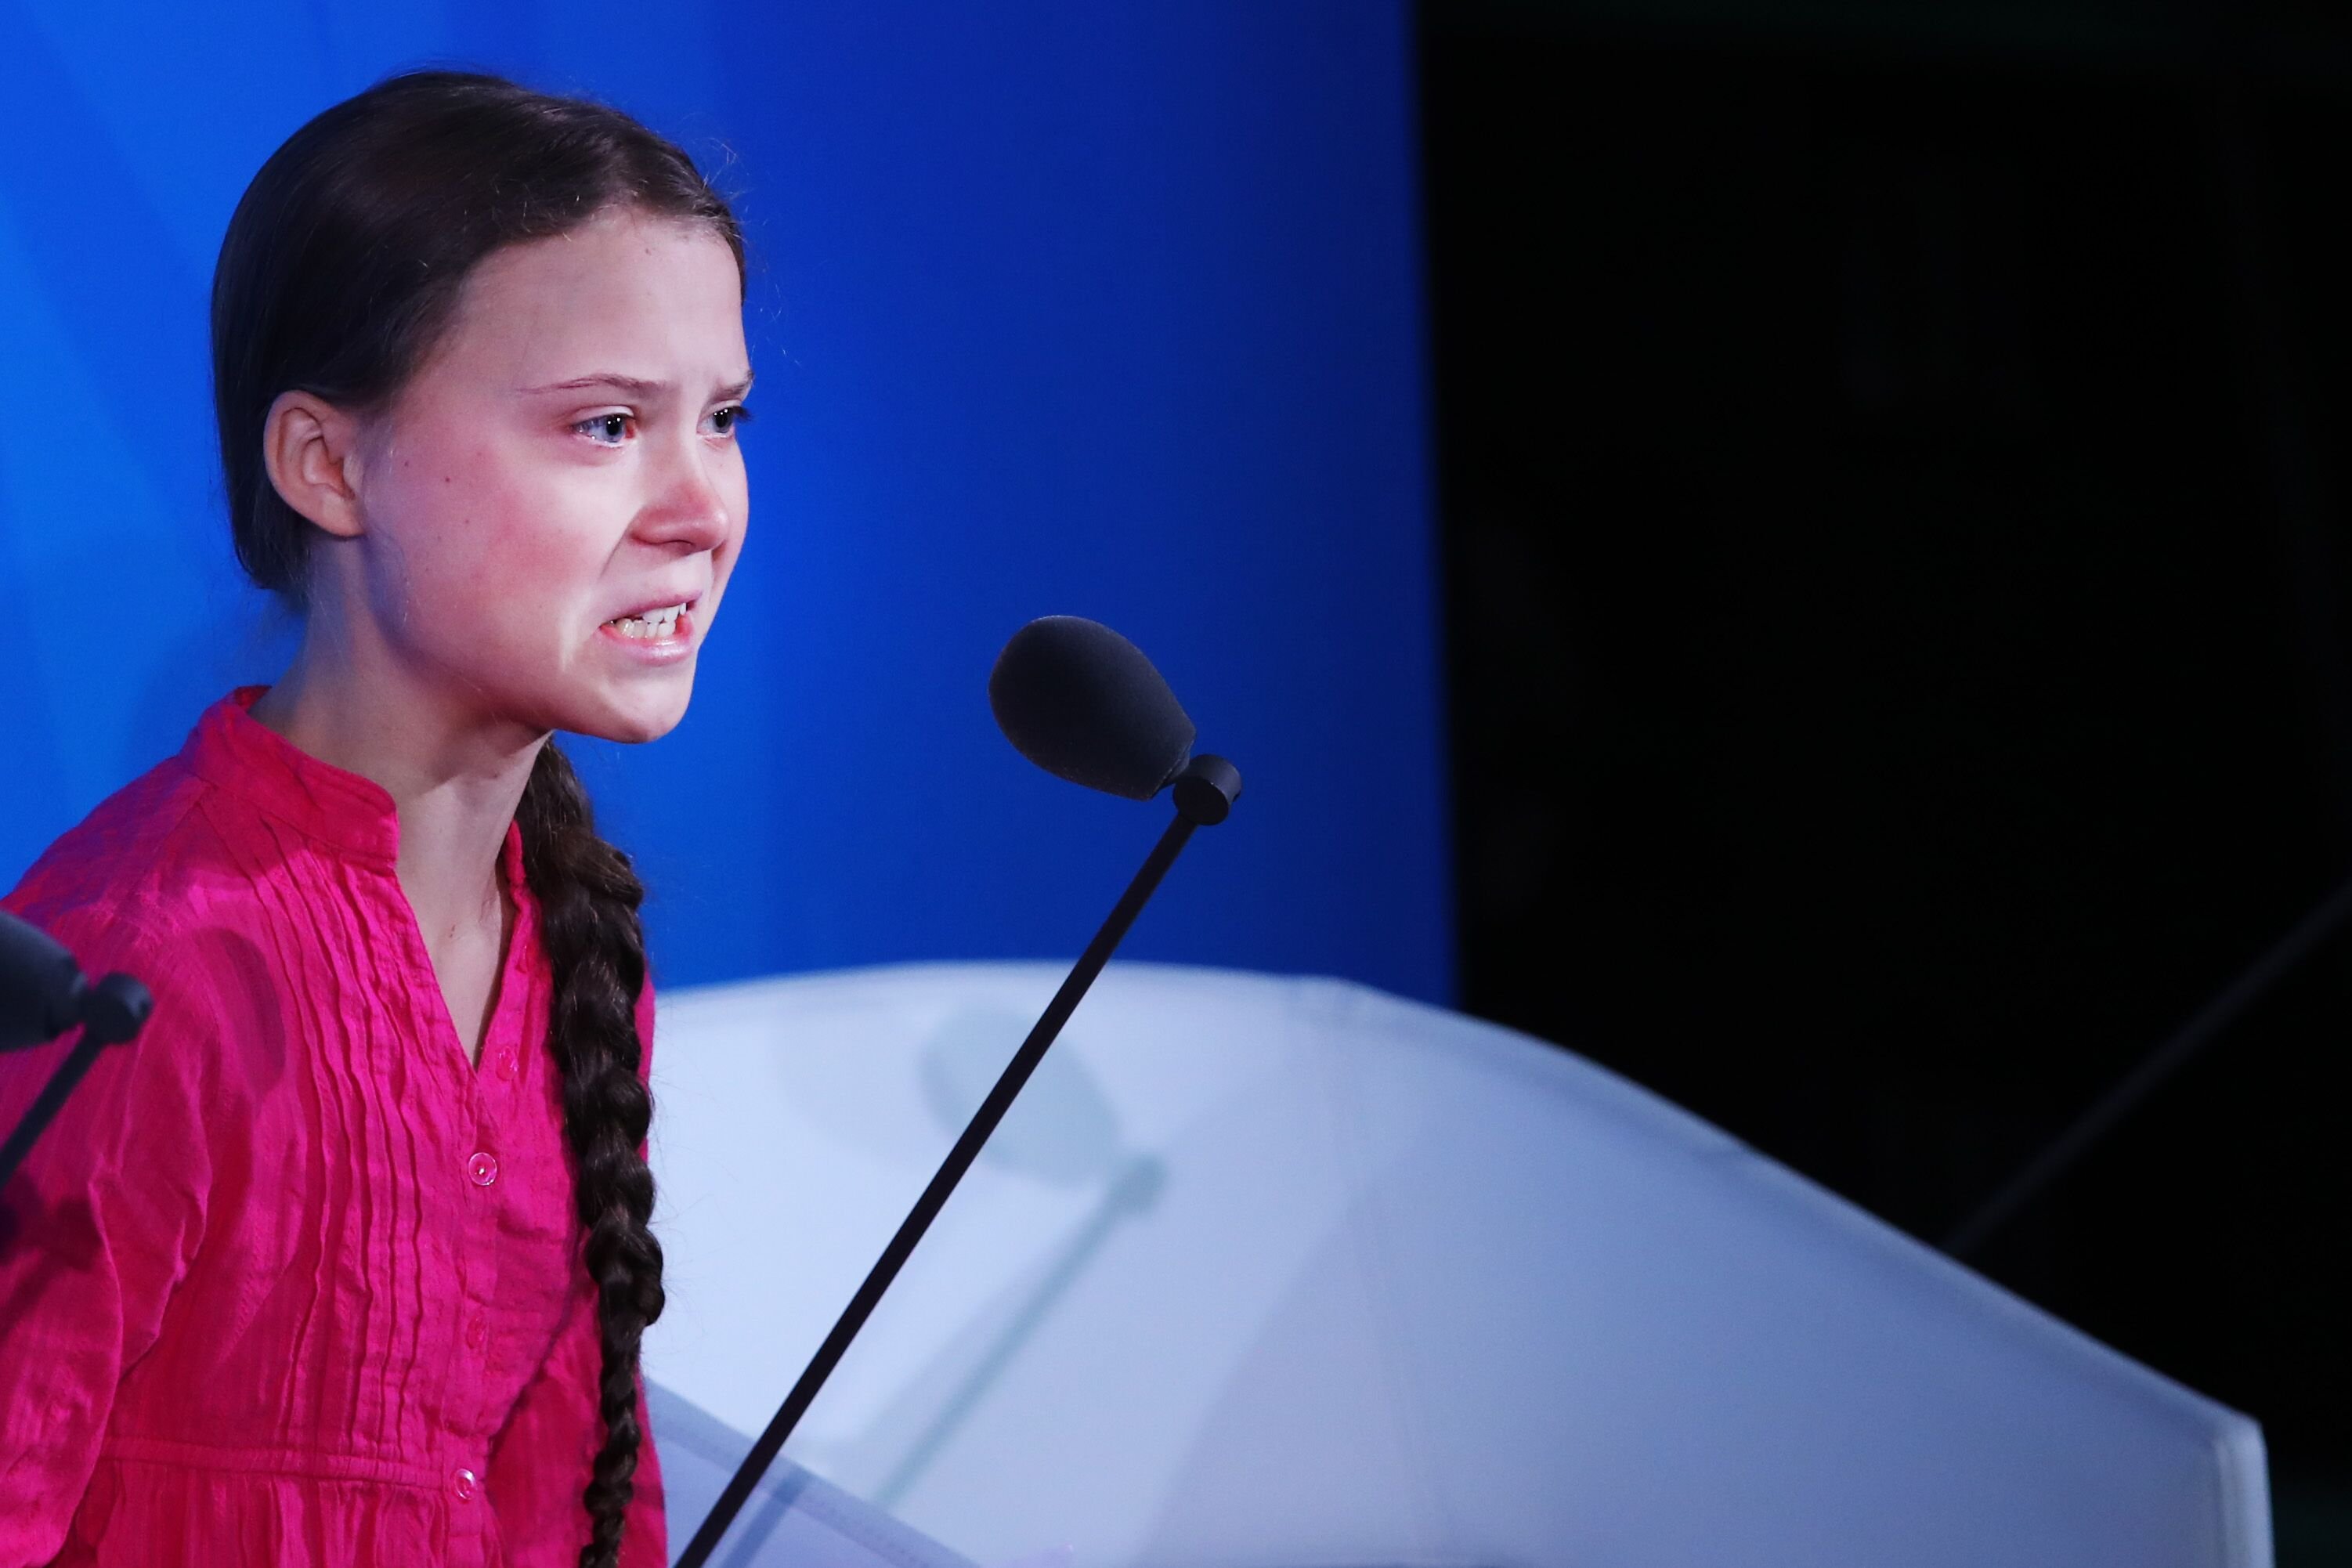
[588, 897]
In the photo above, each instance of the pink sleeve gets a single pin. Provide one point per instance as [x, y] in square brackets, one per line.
[98, 1228]
[541, 1462]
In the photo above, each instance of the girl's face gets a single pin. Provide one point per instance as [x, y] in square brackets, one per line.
[565, 458]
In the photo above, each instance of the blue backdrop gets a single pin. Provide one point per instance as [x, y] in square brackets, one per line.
[1057, 308]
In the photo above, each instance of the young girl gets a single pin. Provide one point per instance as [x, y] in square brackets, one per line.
[345, 1261]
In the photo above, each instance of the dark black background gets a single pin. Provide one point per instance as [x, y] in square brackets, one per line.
[1896, 541]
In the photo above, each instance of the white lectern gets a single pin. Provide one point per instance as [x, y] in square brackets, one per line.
[1266, 1272]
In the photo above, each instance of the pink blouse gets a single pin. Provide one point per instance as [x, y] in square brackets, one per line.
[290, 1281]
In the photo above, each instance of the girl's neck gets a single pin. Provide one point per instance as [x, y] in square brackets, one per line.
[455, 775]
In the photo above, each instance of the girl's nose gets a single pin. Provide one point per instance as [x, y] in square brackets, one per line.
[689, 507]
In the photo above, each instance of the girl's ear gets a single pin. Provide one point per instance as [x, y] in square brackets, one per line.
[312, 450]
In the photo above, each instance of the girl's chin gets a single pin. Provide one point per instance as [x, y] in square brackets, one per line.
[632, 717]
[637, 731]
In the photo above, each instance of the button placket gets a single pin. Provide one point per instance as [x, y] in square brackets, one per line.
[471, 1419]
[489, 1095]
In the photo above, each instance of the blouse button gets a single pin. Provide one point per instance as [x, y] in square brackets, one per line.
[474, 1334]
[462, 1483]
[506, 1064]
[483, 1167]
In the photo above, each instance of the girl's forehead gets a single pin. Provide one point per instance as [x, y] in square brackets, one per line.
[649, 296]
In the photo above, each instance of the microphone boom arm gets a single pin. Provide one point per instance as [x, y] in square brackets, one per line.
[1204, 794]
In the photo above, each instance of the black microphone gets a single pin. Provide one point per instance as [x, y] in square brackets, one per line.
[42, 995]
[1082, 702]
[41, 986]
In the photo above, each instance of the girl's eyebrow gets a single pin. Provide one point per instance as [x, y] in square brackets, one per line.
[636, 385]
[614, 379]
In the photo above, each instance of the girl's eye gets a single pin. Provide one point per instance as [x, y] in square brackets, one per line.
[728, 420]
[605, 429]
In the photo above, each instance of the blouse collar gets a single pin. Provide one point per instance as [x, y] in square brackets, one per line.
[235, 751]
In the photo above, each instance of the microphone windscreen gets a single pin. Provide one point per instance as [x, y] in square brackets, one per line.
[40, 986]
[1083, 703]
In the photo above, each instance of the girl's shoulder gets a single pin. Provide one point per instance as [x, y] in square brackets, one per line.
[122, 874]
[158, 882]
[154, 883]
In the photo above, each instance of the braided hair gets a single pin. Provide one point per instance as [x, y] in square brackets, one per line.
[588, 898]
[342, 267]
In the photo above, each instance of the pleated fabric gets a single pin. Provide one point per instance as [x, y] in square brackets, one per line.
[290, 1280]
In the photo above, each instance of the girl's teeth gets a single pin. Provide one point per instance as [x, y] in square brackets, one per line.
[659, 623]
